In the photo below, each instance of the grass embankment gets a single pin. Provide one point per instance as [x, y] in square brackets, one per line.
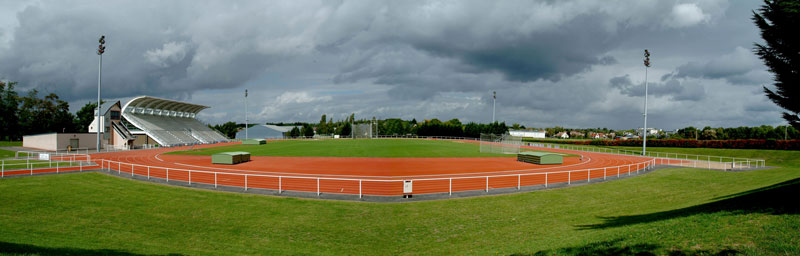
[356, 148]
[670, 211]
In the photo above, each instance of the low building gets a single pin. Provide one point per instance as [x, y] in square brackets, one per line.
[527, 134]
[60, 141]
[562, 135]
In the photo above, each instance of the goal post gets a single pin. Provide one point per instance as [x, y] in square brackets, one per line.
[361, 131]
[500, 143]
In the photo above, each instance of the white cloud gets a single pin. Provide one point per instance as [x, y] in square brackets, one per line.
[686, 15]
[170, 53]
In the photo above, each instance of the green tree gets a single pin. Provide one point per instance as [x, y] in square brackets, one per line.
[9, 106]
[85, 116]
[228, 129]
[294, 132]
[778, 21]
[307, 131]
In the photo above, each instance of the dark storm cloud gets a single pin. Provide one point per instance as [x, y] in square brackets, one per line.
[551, 62]
[673, 88]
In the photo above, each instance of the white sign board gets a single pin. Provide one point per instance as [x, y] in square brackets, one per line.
[43, 156]
[407, 184]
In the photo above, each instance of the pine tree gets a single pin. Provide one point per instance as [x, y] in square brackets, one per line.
[778, 21]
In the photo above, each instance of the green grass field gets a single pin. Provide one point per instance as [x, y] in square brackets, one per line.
[356, 148]
[666, 212]
[10, 143]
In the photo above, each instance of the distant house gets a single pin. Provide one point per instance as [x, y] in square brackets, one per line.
[562, 135]
[576, 134]
[527, 134]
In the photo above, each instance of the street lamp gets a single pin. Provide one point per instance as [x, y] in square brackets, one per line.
[644, 130]
[100, 50]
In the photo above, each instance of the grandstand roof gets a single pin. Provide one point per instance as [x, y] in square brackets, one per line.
[148, 102]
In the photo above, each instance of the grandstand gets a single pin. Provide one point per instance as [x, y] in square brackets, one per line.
[168, 122]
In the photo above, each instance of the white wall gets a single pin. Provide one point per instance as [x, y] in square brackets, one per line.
[59, 141]
[528, 134]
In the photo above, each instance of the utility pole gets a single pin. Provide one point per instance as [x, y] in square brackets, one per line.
[245, 114]
[100, 50]
[494, 104]
[644, 130]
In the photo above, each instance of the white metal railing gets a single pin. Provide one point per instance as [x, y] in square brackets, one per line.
[690, 160]
[15, 167]
[393, 188]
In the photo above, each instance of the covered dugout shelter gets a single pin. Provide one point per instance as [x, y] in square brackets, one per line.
[168, 122]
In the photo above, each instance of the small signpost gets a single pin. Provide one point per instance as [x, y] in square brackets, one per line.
[407, 188]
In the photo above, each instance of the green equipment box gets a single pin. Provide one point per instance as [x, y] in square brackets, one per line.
[540, 158]
[230, 158]
[254, 142]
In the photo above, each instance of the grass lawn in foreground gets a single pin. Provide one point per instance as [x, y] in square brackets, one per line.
[356, 148]
[669, 211]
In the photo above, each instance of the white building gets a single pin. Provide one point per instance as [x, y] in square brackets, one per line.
[527, 134]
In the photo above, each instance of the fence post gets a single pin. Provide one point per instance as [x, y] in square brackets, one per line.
[190, 177]
[569, 178]
[167, 175]
[604, 173]
[280, 184]
[215, 179]
[519, 179]
[359, 188]
[28, 163]
[2, 168]
[317, 186]
[450, 188]
[132, 166]
[119, 167]
[589, 176]
[245, 182]
[487, 184]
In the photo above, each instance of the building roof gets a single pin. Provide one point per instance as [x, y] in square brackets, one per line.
[143, 103]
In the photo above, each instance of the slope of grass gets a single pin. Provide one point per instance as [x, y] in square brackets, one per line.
[356, 148]
[670, 211]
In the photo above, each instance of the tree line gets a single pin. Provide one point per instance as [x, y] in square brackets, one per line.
[36, 114]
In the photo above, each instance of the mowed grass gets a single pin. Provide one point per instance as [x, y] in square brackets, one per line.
[10, 143]
[669, 211]
[356, 148]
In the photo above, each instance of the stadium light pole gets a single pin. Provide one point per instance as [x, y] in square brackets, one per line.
[494, 104]
[644, 130]
[100, 50]
[245, 114]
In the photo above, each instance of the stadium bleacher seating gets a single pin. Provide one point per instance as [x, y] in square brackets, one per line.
[170, 129]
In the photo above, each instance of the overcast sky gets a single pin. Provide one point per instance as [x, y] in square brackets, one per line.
[567, 63]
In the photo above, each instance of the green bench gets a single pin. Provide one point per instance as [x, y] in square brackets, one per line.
[540, 158]
[254, 142]
[230, 158]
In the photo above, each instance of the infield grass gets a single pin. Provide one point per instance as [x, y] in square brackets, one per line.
[666, 212]
[356, 148]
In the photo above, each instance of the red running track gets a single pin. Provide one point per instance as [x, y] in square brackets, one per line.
[369, 176]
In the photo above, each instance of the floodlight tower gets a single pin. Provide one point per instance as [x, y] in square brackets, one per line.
[100, 50]
[494, 104]
[245, 114]
[644, 130]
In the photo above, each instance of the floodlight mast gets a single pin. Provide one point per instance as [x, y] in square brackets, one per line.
[644, 130]
[245, 114]
[494, 104]
[100, 50]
